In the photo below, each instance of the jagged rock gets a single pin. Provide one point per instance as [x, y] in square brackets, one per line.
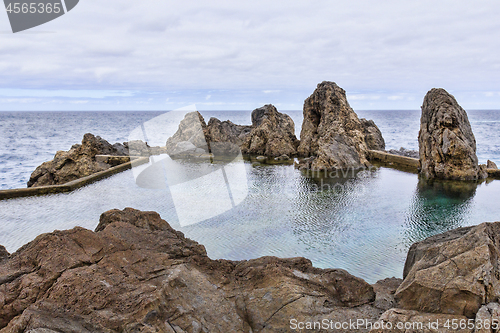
[78, 162]
[491, 165]
[192, 129]
[373, 136]
[331, 132]
[3, 253]
[226, 137]
[454, 272]
[385, 290]
[137, 274]
[272, 134]
[227, 131]
[408, 321]
[404, 152]
[447, 146]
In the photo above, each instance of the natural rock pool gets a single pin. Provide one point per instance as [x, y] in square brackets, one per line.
[363, 224]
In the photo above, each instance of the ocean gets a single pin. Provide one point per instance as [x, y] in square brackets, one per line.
[364, 224]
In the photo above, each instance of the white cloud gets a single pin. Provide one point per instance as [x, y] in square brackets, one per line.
[159, 47]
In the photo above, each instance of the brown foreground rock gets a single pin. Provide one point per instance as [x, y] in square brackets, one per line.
[76, 163]
[331, 132]
[453, 273]
[137, 274]
[408, 321]
[447, 145]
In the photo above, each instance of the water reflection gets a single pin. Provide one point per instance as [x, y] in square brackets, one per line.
[438, 206]
[326, 208]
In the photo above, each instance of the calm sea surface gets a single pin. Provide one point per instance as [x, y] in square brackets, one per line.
[363, 224]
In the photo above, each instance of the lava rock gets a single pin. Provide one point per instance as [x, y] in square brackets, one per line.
[137, 274]
[447, 146]
[192, 129]
[331, 132]
[454, 272]
[3, 253]
[226, 137]
[272, 134]
[76, 163]
[491, 165]
[373, 136]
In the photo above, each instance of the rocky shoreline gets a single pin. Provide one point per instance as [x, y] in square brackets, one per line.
[332, 138]
[135, 273]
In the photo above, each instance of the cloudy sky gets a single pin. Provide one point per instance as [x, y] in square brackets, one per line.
[239, 55]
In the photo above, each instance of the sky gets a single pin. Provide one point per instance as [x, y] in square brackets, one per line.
[240, 55]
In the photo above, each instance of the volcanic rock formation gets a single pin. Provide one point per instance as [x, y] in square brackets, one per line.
[331, 132]
[272, 134]
[76, 163]
[447, 146]
[373, 136]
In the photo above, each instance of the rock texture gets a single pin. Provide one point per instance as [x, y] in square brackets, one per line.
[3, 253]
[447, 146]
[488, 318]
[226, 137]
[191, 137]
[408, 321]
[385, 290]
[455, 272]
[373, 136]
[137, 274]
[491, 165]
[331, 132]
[76, 163]
[272, 134]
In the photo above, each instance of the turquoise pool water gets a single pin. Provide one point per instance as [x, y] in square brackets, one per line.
[363, 224]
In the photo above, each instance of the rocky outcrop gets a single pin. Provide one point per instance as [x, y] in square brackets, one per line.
[191, 138]
[373, 136]
[331, 132]
[491, 165]
[76, 163]
[272, 134]
[226, 137]
[447, 146]
[3, 253]
[137, 274]
[453, 273]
